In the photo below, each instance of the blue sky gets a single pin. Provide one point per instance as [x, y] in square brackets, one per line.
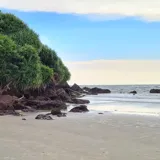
[82, 37]
[100, 41]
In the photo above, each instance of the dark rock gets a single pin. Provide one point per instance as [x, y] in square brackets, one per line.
[46, 105]
[28, 109]
[27, 95]
[100, 113]
[64, 85]
[133, 92]
[155, 91]
[80, 101]
[51, 93]
[23, 119]
[7, 101]
[86, 89]
[80, 109]
[48, 114]
[77, 88]
[62, 115]
[18, 106]
[6, 105]
[63, 95]
[56, 111]
[96, 90]
[9, 112]
[43, 117]
[2, 114]
[42, 98]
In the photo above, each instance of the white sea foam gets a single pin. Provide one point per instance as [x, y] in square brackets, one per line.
[143, 103]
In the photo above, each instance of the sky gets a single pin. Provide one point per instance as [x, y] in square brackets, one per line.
[117, 41]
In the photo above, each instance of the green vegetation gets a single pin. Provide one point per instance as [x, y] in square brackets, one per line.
[24, 61]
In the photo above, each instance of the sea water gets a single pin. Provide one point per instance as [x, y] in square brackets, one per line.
[120, 101]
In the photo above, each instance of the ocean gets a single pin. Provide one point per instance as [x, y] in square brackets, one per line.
[120, 101]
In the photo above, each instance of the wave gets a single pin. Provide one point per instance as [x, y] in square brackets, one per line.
[125, 103]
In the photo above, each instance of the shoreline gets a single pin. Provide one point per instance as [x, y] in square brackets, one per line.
[81, 137]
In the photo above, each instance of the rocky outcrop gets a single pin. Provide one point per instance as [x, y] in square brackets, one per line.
[96, 90]
[46, 105]
[62, 115]
[99, 90]
[57, 112]
[6, 105]
[43, 117]
[77, 88]
[155, 91]
[80, 101]
[80, 109]
[62, 94]
[133, 92]
[86, 89]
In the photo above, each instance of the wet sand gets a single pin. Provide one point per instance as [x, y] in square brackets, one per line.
[80, 137]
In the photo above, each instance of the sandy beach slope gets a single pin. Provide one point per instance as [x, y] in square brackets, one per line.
[80, 137]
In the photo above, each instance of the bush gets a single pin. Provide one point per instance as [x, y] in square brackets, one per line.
[21, 68]
[10, 24]
[47, 74]
[24, 61]
[28, 36]
[49, 58]
[8, 59]
[29, 75]
[19, 32]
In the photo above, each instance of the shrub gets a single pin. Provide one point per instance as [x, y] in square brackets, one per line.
[24, 61]
[8, 59]
[47, 74]
[50, 58]
[19, 32]
[21, 68]
[27, 36]
[10, 24]
[29, 75]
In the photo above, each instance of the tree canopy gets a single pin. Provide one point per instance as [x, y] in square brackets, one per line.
[24, 61]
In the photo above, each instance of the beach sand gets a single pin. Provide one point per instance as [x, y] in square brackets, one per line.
[80, 137]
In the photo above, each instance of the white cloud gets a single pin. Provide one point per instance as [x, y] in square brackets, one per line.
[115, 72]
[148, 10]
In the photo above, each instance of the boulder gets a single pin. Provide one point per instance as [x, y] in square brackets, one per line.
[43, 117]
[56, 111]
[77, 88]
[62, 115]
[62, 94]
[80, 109]
[63, 85]
[155, 91]
[80, 101]
[51, 93]
[7, 101]
[96, 90]
[133, 92]
[6, 105]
